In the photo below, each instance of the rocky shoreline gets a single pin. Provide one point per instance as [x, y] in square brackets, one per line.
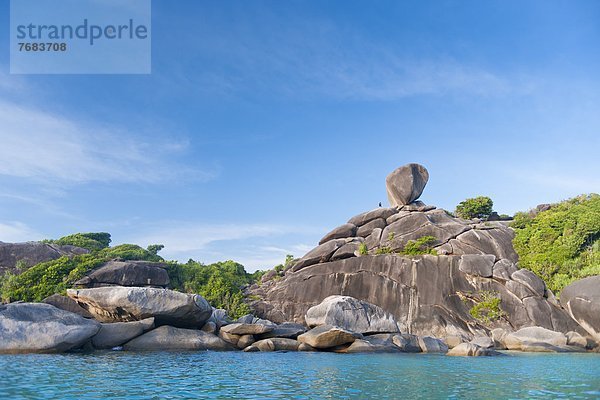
[359, 290]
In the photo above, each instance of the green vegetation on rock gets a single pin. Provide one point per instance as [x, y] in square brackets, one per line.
[478, 207]
[56, 276]
[91, 241]
[423, 245]
[363, 250]
[562, 243]
[487, 309]
[220, 283]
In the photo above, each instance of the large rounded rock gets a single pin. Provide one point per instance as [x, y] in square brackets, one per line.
[327, 336]
[117, 333]
[471, 350]
[126, 273]
[171, 338]
[534, 335]
[477, 265]
[42, 328]
[123, 304]
[351, 314]
[246, 329]
[430, 344]
[582, 300]
[342, 231]
[289, 330]
[319, 254]
[276, 344]
[379, 343]
[531, 280]
[405, 184]
[366, 217]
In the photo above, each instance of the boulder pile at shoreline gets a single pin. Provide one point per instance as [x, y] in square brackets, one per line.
[358, 291]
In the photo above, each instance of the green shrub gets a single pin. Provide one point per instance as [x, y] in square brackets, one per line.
[90, 241]
[56, 276]
[478, 207]
[220, 283]
[561, 244]
[155, 248]
[383, 250]
[487, 309]
[422, 245]
[128, 252]
[45, 279]
[363, 250]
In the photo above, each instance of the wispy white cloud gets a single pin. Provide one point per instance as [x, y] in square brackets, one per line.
[186, 237]
[318, 58]
[244, 243]
[47, 147]
[14, 231]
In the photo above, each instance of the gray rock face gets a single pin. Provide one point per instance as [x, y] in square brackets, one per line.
[351, 314]
[531, 280]
[42, 328]
[319, 254]
[405, 184]
[364, 218]
[477, 265]
[393, 228]
[125, 304]
[67, 304]
[427, 295]
[327, 336]
[346, 251]
[342, 231]
[367, 228]
[118, 333]
[31, 253]
[582, 300]
[126, 273]
[496, 241]
[503, 269]
[166, 338]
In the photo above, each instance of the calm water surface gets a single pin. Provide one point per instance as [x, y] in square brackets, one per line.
[122, 375]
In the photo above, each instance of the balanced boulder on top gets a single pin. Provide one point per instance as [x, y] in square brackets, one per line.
[405, 184]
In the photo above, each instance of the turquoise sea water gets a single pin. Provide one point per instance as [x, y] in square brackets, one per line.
[170, 375]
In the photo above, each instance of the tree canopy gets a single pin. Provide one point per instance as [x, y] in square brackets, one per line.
[562, 243]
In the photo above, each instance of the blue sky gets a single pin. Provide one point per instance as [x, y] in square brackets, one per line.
[266, 123]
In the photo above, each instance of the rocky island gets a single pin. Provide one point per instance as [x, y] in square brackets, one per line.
[405, 278]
